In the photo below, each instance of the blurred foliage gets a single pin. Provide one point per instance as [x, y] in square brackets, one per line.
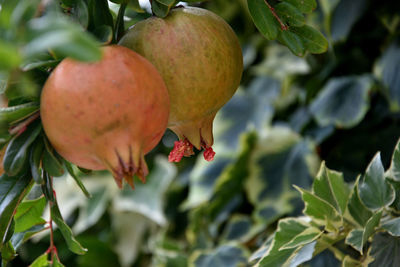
[262, 200]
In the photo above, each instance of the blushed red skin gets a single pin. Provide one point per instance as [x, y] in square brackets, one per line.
[200, 59]
[107, 114]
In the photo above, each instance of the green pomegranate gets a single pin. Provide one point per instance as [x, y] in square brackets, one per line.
[200, 59]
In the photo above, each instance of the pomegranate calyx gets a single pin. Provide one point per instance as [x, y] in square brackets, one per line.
[208, 153]
[181, 148]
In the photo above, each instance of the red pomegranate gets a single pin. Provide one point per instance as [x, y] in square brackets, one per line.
[107, 114]
[200, 59]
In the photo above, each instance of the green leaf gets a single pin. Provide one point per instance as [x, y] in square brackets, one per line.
[12, 191]
[305, 6]
[9, 56]
[307, 236]
[77, 179]
[263, 19]
[17, 113]
[72, 243]
[99, 14]
[293, 42]
[24, 11]
[80, 12]
[119, 28]
[358, 237]
[41, 261]
[330, 186]
[29, 213]
[375, 192]
[7, 253]
[104, 34]
[159, 9]
[19, 238]
[385, 251]
[63, 37]
[344, 17]
[287, 230]
[35, 157]
[52, 163]
[358, 211]
[392, 226]
[134, 4]
[387, 69]
[320, 210]
[303, 254]
[166, 2]
[56, 262]
[312, 39]
[395, 164]
[226, 255]
[290, 14]
[16, 156]
[343, 101]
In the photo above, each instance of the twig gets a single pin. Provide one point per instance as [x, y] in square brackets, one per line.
[19, 128]
[52, 249]
[283, 26]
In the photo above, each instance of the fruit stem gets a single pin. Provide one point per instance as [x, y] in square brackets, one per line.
[283, 26]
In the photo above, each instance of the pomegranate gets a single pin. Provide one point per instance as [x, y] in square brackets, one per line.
[200, 59]
[107, 114]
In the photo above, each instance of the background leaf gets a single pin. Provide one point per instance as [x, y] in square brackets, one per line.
[342, 102]
[375, 192]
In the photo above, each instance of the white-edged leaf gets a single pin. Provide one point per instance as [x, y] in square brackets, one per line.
[375, 192]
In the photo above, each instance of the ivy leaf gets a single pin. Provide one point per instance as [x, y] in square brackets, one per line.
[358, 237]
[344, 17]
[226, 255]
[385, 251]
[312, 39]
[305, 6]
[287, 230]
[12, 191]
[358, 211]
[330, 186]
[72, 243]
[375, 192]
[92, 210]
[320, 210]
[307, 236]
[387, 69]
[263, 19]
[342, 101]
[29, 214]
[395, 164]
[392, 226]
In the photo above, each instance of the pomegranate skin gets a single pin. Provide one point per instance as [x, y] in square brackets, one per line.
[107, 114]
[200, 59]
